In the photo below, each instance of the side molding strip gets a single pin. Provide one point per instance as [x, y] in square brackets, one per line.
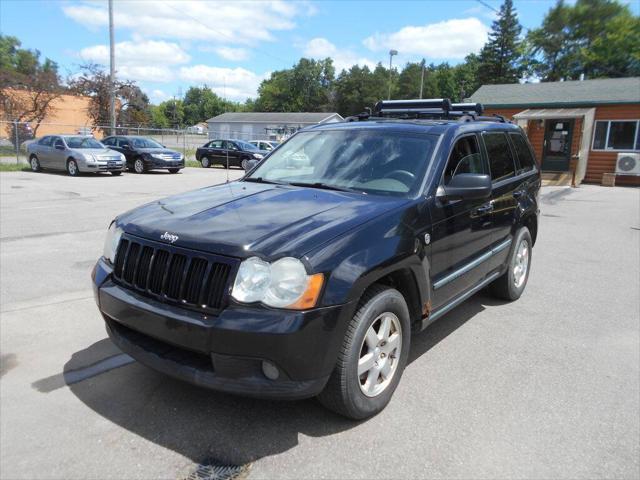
[457, 301]
[471, 265]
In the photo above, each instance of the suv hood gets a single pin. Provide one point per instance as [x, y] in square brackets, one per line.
[241, 219]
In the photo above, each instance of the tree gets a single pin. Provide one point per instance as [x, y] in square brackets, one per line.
[597, 38]
[306, 87]
[202, 103]
[132, 105]
[28, 87]
[501, 56]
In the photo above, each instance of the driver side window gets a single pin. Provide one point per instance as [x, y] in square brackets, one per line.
[464, 158]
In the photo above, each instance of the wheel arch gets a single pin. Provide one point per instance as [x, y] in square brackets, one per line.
[531, 222]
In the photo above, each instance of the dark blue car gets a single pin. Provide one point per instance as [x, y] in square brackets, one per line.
[308, 276]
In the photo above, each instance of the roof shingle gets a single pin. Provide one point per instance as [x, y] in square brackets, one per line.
[586, 92]
[273, 117]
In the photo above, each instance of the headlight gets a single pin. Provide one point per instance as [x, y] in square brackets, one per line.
[281, 284]
[258, 156]
[123, 158]
[111, 242]
[89, 157]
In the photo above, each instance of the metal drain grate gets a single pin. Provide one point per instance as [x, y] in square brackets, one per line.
[210, 470]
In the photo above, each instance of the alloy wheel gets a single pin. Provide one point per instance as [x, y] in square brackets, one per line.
[35, 166]
[72, 167]
[379, 354]
[521, 263]
[138, 166]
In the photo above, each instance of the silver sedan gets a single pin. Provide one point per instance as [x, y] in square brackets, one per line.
[74, 153]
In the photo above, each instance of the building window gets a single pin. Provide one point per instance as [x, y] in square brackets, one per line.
[617, 135]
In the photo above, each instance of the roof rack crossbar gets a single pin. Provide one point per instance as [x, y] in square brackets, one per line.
[411, 106]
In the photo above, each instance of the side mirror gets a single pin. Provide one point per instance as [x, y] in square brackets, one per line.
[467, 186]
[250, 164]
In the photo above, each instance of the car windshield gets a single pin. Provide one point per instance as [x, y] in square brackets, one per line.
[145, 143]
[369, 161]
[245, 145]
[82, 142]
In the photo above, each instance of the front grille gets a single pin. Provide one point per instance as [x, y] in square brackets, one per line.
[168, 156]
[174, 275]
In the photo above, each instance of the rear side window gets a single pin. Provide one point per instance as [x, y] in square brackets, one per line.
[46, 141]
[215, 144]
[500, 157]
[523, 151]
[464, 158]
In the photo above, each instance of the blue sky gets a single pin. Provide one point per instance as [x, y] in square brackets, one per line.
[168, 45]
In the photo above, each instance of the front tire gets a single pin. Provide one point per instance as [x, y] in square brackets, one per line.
[35, 164]
[206, 163]
[373, 356]
[72, 168]
[513, 282]
[138, 166]
[243, 165]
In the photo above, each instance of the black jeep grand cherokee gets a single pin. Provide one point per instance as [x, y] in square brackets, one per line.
[308, 276]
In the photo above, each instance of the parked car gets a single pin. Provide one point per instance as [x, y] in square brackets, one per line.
[235, 152]
[144, 154]
[266, 145]
[309, 280]
[74, 153]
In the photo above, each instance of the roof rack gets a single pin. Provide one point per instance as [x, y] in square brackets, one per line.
[433, 108]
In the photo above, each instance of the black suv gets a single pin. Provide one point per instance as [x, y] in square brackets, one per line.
[308, 276]
[144, 154]
[231, 153]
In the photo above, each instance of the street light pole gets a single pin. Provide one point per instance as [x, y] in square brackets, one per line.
[422, 78]
[112, 72]
[391, 54]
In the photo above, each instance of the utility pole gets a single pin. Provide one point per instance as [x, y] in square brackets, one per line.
[112, 72]
[422, 78]
[391, 54]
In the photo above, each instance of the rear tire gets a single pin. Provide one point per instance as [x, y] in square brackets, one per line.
[138, 166]
[370, 362]
[206, 163]
[35, 164]
[72, 168]
[513, 282]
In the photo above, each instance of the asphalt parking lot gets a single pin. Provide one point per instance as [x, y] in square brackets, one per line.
[546, 387]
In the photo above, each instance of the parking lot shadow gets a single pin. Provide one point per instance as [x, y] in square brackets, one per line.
[202, 424]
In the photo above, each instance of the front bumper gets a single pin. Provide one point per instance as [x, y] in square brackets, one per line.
[152, 163]
[112, 166]
[225, 352]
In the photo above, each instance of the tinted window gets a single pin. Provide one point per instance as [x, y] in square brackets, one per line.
[144, 143]
[124, 143]
[600, 137]
[230, 145]
[58, 142]
[82, 142]
[500, 158]
[215, 144]
[46, 141]
[110, 141]
[464, 158]
[523, 151]
[616, 135]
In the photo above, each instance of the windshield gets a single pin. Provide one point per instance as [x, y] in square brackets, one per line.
[246, 145]
[370, 161]
[82, 142]
[145, 143]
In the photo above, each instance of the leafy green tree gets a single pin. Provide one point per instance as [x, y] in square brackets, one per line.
[202, 103]
[408, 85]
[500, 58]
[306, 87]
[597, 38]
[28, 87]
[158, 117]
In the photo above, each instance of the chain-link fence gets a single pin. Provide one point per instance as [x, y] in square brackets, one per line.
[15, 136]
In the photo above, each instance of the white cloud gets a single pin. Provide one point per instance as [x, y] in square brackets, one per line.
[454, 38]
[229, 22]
[320, 48]
[229, 53]
[158, 96]
[147, 60]
[234, 83]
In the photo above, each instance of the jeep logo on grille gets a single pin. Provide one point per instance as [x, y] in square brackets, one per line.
[169, 237]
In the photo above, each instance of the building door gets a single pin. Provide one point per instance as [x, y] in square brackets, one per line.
[557, 145]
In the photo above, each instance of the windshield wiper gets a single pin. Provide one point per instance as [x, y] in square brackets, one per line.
[325, 186]
[262, 180]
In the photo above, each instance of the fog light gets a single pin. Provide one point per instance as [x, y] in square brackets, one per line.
[270, 370]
